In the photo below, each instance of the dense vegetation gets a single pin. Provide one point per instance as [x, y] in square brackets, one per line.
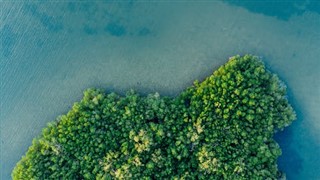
[221, 128]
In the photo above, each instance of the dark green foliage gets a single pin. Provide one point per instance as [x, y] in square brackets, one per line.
[221, 128]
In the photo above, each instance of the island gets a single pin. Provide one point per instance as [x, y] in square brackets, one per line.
[220, 128]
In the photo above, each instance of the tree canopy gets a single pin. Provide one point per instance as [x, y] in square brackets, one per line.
[220, 128]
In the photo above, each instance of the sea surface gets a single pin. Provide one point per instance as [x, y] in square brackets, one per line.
[50, 51]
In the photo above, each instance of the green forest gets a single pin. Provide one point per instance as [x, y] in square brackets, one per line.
[220, 128]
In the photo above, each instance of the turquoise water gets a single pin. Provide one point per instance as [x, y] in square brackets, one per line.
[51, 52]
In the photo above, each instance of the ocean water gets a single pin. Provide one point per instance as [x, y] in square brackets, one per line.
[51, 51]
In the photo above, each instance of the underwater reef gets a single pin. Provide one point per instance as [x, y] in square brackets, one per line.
[220, 128]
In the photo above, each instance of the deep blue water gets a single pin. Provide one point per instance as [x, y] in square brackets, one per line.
[51, 51]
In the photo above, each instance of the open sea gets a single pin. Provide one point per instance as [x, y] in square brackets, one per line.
[51, 51]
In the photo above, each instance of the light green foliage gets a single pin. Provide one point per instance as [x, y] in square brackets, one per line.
[221, 128]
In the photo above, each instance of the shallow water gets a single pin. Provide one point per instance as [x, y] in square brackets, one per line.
[51, 52]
